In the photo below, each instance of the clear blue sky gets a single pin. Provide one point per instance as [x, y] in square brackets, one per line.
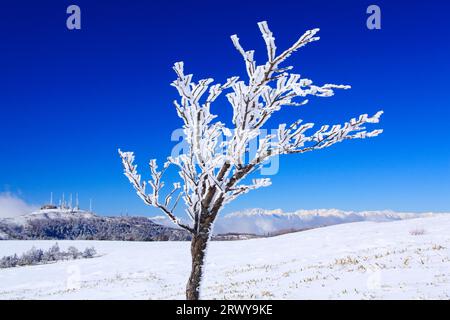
[70, 99]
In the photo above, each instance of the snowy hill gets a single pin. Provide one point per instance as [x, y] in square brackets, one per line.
[264, 222]
[48, 214]
[81, 225]
[408, 259]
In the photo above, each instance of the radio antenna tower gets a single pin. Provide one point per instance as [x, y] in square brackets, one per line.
[77, 203]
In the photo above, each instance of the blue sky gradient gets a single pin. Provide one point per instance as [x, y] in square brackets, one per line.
[70, 99]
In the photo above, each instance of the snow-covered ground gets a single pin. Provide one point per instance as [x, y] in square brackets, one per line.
[363, 260]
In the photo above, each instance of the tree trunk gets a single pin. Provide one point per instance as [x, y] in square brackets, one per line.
[198, 247]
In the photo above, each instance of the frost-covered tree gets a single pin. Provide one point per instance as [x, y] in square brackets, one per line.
[73, 252]
[213, 171]
[89, 252]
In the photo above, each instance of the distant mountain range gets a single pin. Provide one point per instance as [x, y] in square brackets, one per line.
[81, 225]
[66, 224]
[271, 222]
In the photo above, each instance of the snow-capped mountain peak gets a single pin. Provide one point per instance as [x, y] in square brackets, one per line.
[262, 222]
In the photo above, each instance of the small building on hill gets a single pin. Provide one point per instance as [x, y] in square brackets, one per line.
[48, 206]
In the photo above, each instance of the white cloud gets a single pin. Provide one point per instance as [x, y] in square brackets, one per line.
[12, 206]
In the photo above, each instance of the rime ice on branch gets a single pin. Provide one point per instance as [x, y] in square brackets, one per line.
[211, 170]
